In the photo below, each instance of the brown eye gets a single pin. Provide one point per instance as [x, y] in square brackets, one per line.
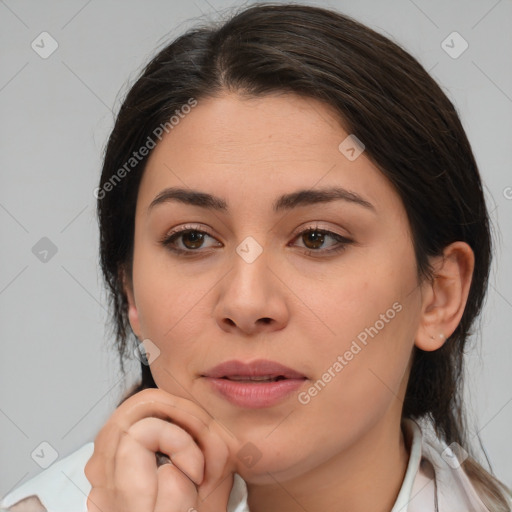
[314, 242]
[192, 239]
[313, 239]
[189, 241]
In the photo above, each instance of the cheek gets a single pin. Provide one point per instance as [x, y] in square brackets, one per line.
[166, 296]
[368, 320]
[365, 365]
[353, 302]
[173, 309]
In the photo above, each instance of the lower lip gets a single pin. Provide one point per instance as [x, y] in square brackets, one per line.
[255, 394]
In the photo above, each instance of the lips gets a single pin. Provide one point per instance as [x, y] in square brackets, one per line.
[258, 378]
[261, 370]
[256, 384]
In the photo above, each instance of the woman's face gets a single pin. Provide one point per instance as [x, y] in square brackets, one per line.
[257, 278]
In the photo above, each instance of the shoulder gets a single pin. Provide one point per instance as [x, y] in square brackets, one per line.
[62, 487]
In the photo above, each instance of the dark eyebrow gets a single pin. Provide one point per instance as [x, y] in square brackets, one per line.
[188, 196]
[325, 195]
[285, 202]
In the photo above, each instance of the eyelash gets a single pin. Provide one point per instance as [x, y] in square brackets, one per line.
[170, 239]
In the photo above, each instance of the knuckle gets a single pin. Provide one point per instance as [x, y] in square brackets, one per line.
[92, 470]
[126, 447]
[149, 394]
[144, 396]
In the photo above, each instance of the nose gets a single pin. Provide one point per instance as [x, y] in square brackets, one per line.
[252, 299]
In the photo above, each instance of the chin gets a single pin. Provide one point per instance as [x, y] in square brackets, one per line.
[268, 465]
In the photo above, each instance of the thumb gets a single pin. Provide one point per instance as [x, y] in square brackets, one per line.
[214, 496]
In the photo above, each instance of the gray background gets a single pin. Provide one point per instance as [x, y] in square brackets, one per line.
[59, 375]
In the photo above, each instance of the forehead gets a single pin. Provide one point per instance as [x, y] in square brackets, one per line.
[232, 130]
[277, 118]
[259, 147]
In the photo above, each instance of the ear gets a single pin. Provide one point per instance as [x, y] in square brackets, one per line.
[133, 315]
[444, 297]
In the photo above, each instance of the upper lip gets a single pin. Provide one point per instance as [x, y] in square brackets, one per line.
[257, 368]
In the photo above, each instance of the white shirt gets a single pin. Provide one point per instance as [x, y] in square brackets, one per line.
[433, 474]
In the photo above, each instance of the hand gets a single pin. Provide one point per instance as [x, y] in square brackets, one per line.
[123, 469]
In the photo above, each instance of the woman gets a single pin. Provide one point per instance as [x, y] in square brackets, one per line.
[292, 225]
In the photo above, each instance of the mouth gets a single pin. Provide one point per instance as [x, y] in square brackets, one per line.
[257, 384]
[256, 378]
[258, 370]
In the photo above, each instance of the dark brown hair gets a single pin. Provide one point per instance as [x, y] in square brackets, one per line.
[384, 96]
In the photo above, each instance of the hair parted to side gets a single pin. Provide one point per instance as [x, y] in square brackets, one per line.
[410, 129]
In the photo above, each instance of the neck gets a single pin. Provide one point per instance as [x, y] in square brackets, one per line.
[367, 476]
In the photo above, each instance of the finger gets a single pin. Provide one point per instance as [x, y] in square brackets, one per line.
[185, 413]
[217, 444]
[155, 435]
[146, 403]
[135, 479]
[176, 492]
[208, 434]
[100, 466]
[212, 438]
[217, 496]
[219, 461]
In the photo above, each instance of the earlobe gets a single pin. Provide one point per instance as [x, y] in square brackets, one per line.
[444, 297]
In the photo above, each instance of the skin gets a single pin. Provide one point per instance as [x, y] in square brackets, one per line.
[209, 308]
